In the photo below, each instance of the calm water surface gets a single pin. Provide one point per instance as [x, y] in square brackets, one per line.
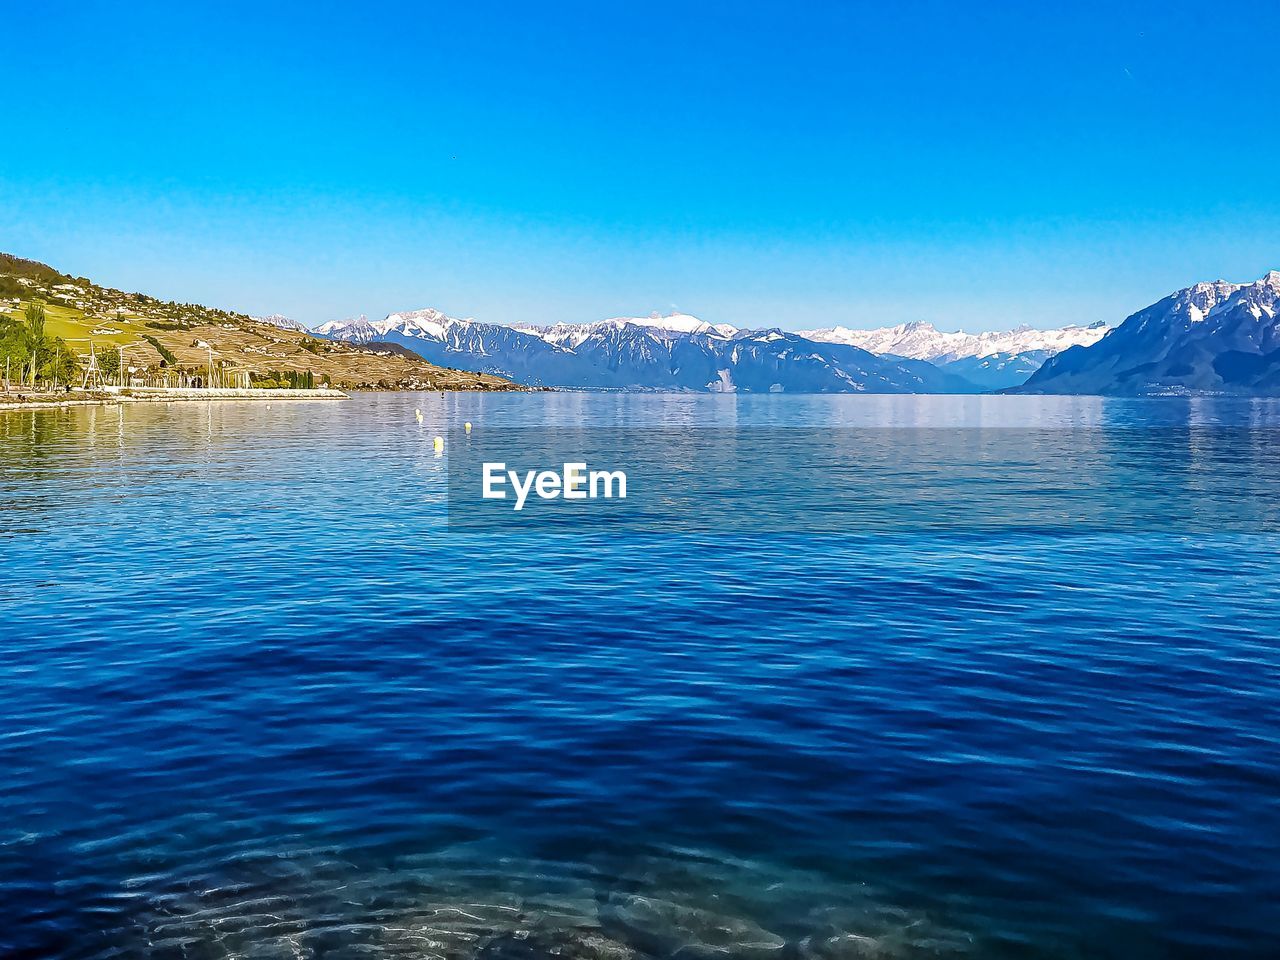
[259, 702]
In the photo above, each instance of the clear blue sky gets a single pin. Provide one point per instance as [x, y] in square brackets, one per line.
[785, 164]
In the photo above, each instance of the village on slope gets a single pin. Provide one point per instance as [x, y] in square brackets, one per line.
[62, 335]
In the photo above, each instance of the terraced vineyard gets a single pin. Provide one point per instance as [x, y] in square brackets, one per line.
[157, 338]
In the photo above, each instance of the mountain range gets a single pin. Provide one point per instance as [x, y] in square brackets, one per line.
[923, 341]
[681, 352]
[1215, 337]
[990, 361]
[1209, 337]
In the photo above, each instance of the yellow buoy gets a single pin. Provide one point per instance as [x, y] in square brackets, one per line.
[467, 425]
[439, 444]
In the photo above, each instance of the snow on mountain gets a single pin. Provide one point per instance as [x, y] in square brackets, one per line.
[428, 323]
[463, 344]
[281, 321]
[1215, 337]
[678, 324]
[571, 335]
[996, 371]
[676, 352]
[923, 341]
[355, 329]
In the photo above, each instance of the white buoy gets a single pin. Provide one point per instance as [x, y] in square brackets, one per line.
[467, 425]
[439, 444]
[418, 414]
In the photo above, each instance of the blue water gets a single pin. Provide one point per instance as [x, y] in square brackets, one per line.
[258, 701]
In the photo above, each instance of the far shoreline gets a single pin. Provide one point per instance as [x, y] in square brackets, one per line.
[14, 400]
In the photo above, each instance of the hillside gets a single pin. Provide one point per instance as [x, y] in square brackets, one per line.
[156, 336]
[1215, 337]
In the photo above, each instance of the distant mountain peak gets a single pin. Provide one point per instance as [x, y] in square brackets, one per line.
[921, 340]
[356, 329]
[429, 314]
[281, 321]
[1217, 337]
[673, 322]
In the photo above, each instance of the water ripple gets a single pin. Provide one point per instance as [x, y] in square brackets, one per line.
[259, 702]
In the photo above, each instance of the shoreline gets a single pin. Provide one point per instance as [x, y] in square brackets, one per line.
[8, 401]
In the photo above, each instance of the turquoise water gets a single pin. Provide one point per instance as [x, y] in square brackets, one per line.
[260, 700]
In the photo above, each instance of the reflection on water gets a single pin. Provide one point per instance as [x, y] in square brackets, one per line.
[260, 702]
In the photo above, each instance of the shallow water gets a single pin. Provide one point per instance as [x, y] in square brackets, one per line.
[260, 701]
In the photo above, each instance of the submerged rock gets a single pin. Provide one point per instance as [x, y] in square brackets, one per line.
[877, 929]
[689, 933]
[846, 946]
[555, 945]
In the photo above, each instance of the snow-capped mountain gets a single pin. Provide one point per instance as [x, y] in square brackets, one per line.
[676, 324]
[356, 330]
[997, 371]
[677, 352]
[924, 341]
[464, 345]
[279, 320]
[679, 323]
[1209, 337]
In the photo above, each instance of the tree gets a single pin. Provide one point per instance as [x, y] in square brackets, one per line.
[36, 348]
[60, 363]
[13, 348]
[109, 363]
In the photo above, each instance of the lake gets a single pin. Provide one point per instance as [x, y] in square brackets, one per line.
[263, 699]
